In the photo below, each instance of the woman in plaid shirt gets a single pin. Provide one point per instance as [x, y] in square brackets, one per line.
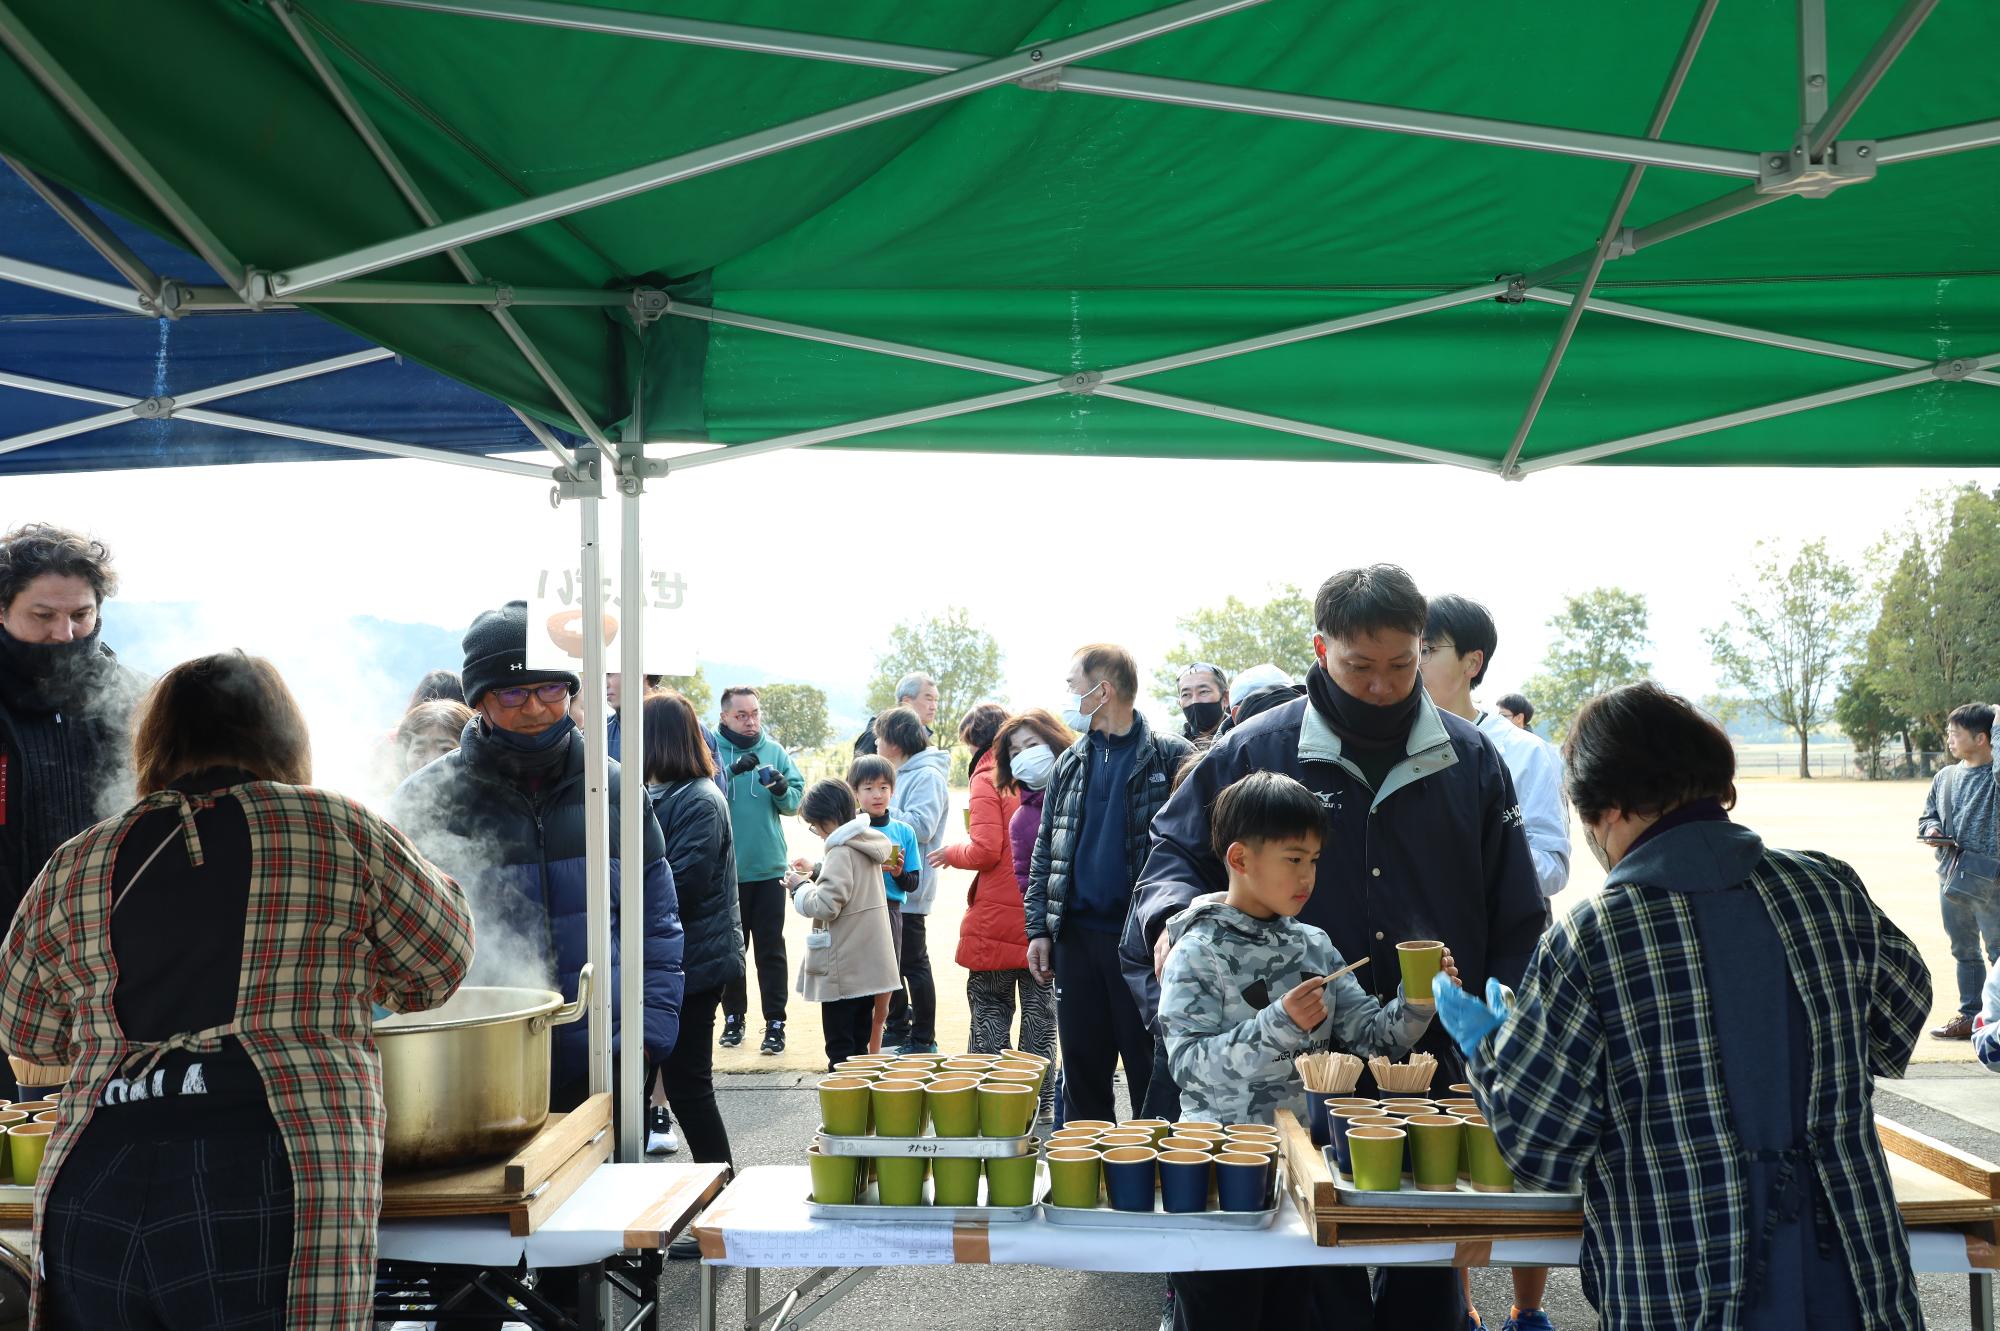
[1692, 1049]
[207, 964]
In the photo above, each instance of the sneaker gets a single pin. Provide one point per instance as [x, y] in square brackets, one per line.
[732, 1032]
[774, 1038]
[1958, 1028]
[660, 1138]
[1532, 1320]
[914, 1048]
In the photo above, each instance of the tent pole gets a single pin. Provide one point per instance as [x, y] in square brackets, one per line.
[1935, 142]
[1718, 209]
[596, 769]
[1106, 83]
[633, 804]
[1741, 333]
[1607, 239]
[95, 233]
[82, 109]
[406, 185]
[750, 147]
[386, 447]
[545, 439]
[1769, 411]
[1887, 47]
[26, 274]
[130, 408]
[1812, 63]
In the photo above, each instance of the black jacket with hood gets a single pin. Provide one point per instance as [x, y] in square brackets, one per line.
[694, 819]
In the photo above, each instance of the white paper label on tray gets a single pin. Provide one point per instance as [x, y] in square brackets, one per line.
[844, 1243]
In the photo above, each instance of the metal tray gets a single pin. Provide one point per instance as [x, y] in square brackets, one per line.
[950, 1148]
[1104, 1217]
[1409, 1197]
[868, 1209]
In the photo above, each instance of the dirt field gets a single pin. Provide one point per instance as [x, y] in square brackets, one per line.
[1869, 824]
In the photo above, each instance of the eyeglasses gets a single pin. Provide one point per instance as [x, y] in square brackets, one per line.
[1430, 649]
[512, 698]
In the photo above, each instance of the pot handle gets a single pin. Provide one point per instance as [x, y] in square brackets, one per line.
[569, 1012]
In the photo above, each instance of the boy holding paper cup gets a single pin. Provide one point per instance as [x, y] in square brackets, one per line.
[1244, 992]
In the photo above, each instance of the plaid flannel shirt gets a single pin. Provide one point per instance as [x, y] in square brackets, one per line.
[1609, 1076]
[344, 912]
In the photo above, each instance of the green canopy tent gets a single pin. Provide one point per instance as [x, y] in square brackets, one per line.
[1506, 236]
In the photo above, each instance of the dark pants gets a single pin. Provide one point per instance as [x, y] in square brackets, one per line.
[1163, 1098]
[1285, 1298]
[1097, 1021]
[913, 1016]
[761, 905]
[1964, 923]
[848, 1022]
[689, 1075]
[159, 1234]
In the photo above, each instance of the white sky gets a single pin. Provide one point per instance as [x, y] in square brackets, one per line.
[808, 571]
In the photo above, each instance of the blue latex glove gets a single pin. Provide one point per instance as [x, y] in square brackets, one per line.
[770, 777]
[1466, 1018]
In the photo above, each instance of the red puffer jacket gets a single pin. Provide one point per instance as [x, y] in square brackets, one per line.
[993, 936]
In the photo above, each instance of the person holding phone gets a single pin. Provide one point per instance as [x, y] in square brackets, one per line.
[1959, 821]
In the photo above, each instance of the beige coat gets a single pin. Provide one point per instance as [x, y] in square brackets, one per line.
[849, 953]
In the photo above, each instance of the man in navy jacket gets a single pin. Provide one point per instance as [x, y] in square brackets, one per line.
[1423, 833]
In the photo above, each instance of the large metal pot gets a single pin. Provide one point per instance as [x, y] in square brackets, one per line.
[470, 1078]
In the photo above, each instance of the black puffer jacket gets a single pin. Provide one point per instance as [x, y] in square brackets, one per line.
[64, 752]
[694, 818]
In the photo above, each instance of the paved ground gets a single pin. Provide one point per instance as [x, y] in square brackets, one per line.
[771, 1116]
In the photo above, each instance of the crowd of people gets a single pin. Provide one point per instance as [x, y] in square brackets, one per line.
[1690, 1048]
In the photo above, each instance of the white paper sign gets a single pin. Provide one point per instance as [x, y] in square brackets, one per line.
[843, 1243]
[556, 615]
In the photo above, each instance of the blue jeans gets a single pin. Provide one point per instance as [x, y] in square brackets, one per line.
[1965, 924]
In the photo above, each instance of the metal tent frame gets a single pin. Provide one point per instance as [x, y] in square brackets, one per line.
[1817, 163]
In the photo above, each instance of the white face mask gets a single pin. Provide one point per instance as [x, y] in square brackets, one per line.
[1073, 714]
[1033, 765]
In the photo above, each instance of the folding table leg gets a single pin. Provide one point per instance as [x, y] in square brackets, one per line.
[753, 1298]
[705, 1318]
[1982, 1301]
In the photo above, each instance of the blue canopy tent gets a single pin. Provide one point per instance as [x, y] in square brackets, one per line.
[93, 380]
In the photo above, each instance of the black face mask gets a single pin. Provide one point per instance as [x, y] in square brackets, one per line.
[737, 737]
[1361, 725]
[53, 675]
[1202, 717]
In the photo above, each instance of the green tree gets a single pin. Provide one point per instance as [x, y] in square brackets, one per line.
[1237, 636]
[963, 658]
[1598, 638]
[1936, 641]
[796, 714]
[1793, 626]
[1867, 719]
[696, 689]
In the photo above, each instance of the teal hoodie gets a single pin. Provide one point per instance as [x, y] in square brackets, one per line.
[754, 811]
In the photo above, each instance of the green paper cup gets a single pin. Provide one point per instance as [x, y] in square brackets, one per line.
[1457, 1104]
[1206, 1145]
[1460, 1088]
[1071, 1138]
[1075, 1175]
[8, 1119]
[953, 1105]
[1011, 1182]
[843, 1106]
[1101, 1124]
[1006, 1109]
[899, 1108]
[1197, 1128]
[1409, 1104]
[25, 1144]
[836, 1178]
[1111, 1141]
[1483, 1160]
[1420, 961]
[899, 1179]
[1156, 1128]
[1019, 1076]
[1378, 1157]
[955, 1181]
[1435, 1143]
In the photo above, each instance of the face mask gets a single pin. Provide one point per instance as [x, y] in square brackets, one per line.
[1597, 851]
[1202, 717]
[1032, 766]
[541, 743]
[1074, 716]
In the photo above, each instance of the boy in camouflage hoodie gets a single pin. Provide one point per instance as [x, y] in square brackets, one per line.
[1243, 992]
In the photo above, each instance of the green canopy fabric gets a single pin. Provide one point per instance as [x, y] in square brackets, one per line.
[1064, 233]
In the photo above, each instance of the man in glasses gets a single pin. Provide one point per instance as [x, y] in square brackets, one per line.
[1204, 696]
[504, 816]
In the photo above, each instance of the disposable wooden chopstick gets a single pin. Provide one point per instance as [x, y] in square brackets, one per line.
[1350, 966]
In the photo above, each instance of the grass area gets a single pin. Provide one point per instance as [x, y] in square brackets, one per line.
[1869, 824]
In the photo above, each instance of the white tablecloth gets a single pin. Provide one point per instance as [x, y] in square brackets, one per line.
[587, 1228]
[763, 1222]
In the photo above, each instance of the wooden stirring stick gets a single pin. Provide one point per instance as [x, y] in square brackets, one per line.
[1351, 966]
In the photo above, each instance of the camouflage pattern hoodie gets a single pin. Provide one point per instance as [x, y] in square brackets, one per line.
[1229, 1040]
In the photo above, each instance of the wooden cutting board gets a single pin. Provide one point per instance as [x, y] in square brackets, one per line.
[512, 1180]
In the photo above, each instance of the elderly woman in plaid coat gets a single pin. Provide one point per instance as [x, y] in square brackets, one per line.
[1692, 1049]
[206, 964]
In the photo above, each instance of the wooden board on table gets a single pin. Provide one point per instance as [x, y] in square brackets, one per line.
[562, 1185]
[17, 1207]
[1940, 1158]
[1345, 1233]
[1305, 1168]
[505, 1182]
[430, 1205]
[688, 1189]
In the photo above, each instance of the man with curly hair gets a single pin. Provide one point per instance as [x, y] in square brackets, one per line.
[65, 702]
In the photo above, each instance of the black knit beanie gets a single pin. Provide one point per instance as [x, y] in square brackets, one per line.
[496, 654]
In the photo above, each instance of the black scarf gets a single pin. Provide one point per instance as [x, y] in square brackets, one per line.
[1362, 725]
[52, 676]
[526, 769]
[737, 738]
